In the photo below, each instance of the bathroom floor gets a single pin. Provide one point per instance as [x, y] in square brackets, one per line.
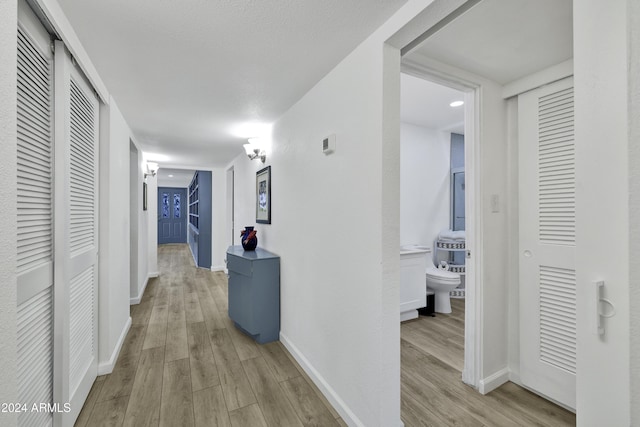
[433, 394]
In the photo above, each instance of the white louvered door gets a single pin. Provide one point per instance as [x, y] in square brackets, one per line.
[35, 219]
[547, 241]
[76, 235]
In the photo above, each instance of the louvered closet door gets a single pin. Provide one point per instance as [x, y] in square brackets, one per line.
[76, 233]
[547, 241]
[35, 226]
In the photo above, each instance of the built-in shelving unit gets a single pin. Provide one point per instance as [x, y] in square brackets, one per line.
[199, 232]
[194, 202]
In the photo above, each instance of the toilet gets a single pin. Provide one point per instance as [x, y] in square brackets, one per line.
[442, 282]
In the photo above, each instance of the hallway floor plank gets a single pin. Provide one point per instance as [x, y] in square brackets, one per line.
[433, 394]
[184, 363]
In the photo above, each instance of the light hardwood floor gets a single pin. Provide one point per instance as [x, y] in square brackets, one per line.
[433, 394]
[185, 364]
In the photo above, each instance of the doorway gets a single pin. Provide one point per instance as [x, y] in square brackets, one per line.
[437, 121]
[493, 70]
[172, 218]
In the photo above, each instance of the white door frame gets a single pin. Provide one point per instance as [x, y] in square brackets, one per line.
[474, 286]
[230, 179]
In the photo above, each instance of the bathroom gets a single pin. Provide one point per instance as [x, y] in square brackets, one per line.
[432, 217]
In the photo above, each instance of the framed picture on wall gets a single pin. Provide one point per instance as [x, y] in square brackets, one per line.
[144, 196]
[263, 196]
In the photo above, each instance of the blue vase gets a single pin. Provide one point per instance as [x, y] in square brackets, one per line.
[248, 244]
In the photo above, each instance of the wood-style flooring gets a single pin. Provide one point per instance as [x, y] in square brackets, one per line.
[185, 364]
[433, 394]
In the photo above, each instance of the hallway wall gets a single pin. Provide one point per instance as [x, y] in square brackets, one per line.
[335, 224]
[143, 231]
[327, 228]
[603, 249]
[8, 207]
[218, 219]
[114, 279]
[633, 20]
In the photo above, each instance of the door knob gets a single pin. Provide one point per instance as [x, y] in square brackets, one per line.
[527, 253]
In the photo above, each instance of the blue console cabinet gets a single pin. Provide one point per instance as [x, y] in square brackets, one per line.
[254, 292]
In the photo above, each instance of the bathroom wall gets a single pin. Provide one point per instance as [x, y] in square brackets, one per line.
[425, 187]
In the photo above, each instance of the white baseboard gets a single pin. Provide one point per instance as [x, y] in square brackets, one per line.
[347, 415]
[136, 300]
[107, 367]
[493, 381]
[217, 268]
[154, 274]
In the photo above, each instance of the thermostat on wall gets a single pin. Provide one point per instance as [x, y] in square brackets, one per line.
[329, 144]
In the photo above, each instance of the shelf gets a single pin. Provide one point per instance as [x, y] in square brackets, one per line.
[451, 246]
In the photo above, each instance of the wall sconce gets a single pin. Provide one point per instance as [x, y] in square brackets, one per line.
[254, 151]
[151, 169]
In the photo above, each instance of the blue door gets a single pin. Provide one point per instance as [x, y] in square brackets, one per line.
[172, 218]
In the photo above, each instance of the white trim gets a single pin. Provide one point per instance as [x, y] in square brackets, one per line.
[408, 315]
[154, 274]
[107, 367]
[65, 31]
[493, 381]
[218, 268]
[332, 396]
[136, 300]
[541, 78]
[474, 307]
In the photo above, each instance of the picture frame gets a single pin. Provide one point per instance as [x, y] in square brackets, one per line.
[144, 196]
[263, 196]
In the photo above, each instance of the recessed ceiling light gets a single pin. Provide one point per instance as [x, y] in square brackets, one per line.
[170, 176]
[456, 103]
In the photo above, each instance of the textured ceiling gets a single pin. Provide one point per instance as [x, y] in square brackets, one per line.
[426, 104]
[185, 73]
[504, 40]
[174, 177]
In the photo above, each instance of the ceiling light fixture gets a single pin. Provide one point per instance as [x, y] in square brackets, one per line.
[456, 103]
[254, 149]
[170, 176]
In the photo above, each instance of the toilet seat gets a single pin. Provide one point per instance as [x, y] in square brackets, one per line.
[442, 276]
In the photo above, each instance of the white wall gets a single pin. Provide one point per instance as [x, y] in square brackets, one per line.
[139, 284]
[8, 207]
[340, 293]
[425, 184]
[336, 226]
[143, 228]
[114, 263]
[601, 61]
[218, 219]
[326, 226]
[633, 21]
